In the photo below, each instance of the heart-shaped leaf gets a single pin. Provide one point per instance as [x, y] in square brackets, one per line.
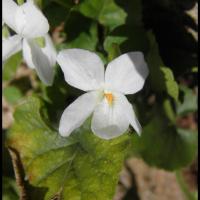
[81, 166]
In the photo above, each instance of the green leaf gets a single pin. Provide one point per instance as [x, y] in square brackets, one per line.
[82, 166]
[83, 36]
[189, 103]
[10, 191]
[85, 40]
[12, 94]
[114, 53]
[10, 66]
[106, 12]
[111, 45]
[171, 85]
[169, 112]
[164, 146]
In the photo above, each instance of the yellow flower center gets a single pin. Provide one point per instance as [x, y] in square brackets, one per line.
[109, 97]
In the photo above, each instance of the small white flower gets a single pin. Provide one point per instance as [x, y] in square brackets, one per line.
[29, 23]
[105, 97]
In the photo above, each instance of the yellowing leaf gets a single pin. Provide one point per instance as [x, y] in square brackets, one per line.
[79, 167]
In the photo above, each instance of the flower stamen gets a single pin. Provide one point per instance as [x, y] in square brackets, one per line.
[109, 97]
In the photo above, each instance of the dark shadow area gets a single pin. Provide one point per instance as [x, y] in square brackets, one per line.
[26, 191]
[6, 162]
[132, 193]
[56, 14]
[23, 83]
[59, 96]
[82, 25]
[133, 28]
[36, 192]
[170, 23]
[171, 26]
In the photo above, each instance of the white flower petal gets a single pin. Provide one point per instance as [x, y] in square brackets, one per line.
[77, 112]
[130, 114]
[10, 46]
[82, 69]
[49, 50]
[9, 11]
[110, 121]
[30, 22]
[36, 58]
[27, 54]
[127, 73]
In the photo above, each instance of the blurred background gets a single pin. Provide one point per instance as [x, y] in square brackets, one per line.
[174, 25]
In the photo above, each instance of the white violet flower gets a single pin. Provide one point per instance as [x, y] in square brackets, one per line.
[105, 97]
[29, 23]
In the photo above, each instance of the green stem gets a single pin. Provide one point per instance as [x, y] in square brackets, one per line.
[189, 195]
